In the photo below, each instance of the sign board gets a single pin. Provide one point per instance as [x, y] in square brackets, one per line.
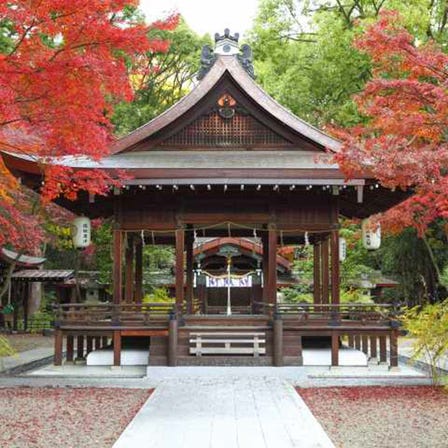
[223, 282]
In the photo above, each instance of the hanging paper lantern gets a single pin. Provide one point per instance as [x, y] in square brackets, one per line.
[342, 249]
[371, 235]
[81, 230]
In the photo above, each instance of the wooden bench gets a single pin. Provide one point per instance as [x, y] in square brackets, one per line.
[227, 343]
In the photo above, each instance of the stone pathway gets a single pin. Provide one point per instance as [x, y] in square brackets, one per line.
[230, 412]
[26, 358]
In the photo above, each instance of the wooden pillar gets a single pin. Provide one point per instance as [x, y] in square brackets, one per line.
[180, 245]
[117, 347]
[383, 349]
[272, 266]
[300, 350]
[97, 341]
[117, 266]
[394, 348]
[80, 347]
[357, 339]
[201, 294]
[25, 299]
[89, 344]
[335, 289]
[129, 270]
[317, 287]
[334, 349]
[325, 271]
[365, 344]
[190, 274]
[172, 342]
[373, 347]
[70, 344]
[265, 244]
[351, 341]
[277, 341]
[58, 339]
[138, 271]
[256, 296]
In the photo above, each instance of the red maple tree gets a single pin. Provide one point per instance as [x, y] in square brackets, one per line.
[404, 141]
[63, 65]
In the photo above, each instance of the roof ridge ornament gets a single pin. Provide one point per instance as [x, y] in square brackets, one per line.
[226, 35]
[226, 45]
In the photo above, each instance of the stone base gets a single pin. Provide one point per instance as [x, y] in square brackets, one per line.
[382, 367]
[129, 357]
[116, 368]
[322, 357]
[224, 361]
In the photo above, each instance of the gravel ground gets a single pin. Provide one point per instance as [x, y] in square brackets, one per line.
[386, 417]
[66, 417]
[23, 342]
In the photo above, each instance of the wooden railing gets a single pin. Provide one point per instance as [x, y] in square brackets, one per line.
[146, 314]
[334, 314]
[108, 314]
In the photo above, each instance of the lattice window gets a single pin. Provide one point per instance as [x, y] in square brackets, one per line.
[213, 130]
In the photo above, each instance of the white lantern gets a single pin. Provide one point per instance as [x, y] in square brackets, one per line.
[371, 235]
[342, 249]
[81, 230]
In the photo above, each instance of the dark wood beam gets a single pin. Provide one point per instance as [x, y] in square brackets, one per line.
[272, 265]
[317, 287]
[117, 347]
[325, 271]
[58, 343]
[335, 276]
[138, 271]
[334, 349]
[80, 347]
[265, 243]
[190, 273]
[180, 246]
[129, 270]
[117, 265]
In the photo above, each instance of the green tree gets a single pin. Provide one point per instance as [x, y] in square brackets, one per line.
[417, 263]
[162, 78]
[304, 55]
[429, 327]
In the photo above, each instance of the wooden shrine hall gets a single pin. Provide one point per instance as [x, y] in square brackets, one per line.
[225, 161]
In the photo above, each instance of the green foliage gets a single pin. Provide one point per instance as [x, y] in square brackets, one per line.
[358, 265]
[355, 295]
[5, 347]
[294, 295]
[304, 55]
[408, 258]
[158, 295]
[444, 277]
[157, 257]
[44, 319]
[167, 77]
[429, 326]
[102, 257]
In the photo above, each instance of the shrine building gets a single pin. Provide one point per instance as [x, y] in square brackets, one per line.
[227, 162]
